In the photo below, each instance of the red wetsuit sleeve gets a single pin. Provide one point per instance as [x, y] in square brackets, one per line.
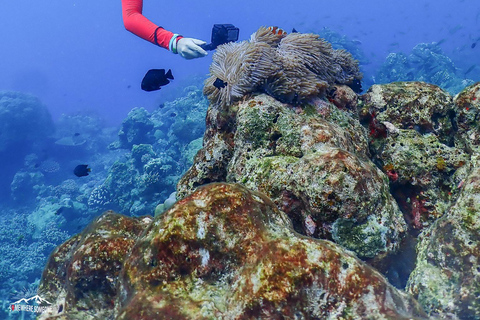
[136, 23]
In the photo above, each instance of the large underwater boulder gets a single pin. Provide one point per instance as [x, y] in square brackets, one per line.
[81, 275]
[371, 189]
[312, 163]
[223, 252]
[412, 131]
[310, 156]
[446, 280]
[467, 113]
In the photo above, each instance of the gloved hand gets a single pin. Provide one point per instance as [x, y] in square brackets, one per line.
[189, 48]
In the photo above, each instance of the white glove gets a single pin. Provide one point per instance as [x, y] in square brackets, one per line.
[189, 48]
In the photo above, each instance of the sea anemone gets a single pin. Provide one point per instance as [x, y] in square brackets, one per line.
[292, 68]
[244, 67]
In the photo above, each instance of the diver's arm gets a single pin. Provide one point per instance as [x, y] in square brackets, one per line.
[136, 23]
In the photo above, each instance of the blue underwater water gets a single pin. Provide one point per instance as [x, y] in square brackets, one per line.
[70, 75]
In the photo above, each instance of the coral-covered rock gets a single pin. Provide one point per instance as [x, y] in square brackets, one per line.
[312, 163]
[344, 97]
[422, 175]
[446, 280]
[137, 185]
[410, 105]
[82, 273]
[25, 124]
[161, 150]
[467, 115]
[141, 154]
[412, 129]
[223, 252]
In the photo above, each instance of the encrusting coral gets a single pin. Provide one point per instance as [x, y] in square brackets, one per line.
[223, 252]
[292, 68]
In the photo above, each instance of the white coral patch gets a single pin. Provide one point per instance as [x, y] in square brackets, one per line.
[201, 222]
[147, 220]
[205, 254]
[390, 127]
[200, 203]
[376, 96]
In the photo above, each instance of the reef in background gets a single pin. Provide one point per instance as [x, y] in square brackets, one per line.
[427, 63]
[45, 203]
[160, 146]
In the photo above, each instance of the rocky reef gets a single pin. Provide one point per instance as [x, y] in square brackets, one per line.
[223, 252]
[313, 164]
[446, 280]
[414, 140]
[295, 208]
[24, 120]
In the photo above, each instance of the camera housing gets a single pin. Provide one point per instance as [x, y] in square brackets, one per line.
[221, 34]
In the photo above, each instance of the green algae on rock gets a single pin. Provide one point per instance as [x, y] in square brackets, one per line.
[312, 162]
[422, 173]
[411, 105]
[446, 280]
[419, 151]
[223, 252]
[467, 118]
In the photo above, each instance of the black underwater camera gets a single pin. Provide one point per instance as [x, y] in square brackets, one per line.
[221, 34]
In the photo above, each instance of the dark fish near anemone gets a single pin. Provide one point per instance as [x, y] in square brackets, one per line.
[219, 83]
[356, 86]
[156, 78]
[82, 170]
